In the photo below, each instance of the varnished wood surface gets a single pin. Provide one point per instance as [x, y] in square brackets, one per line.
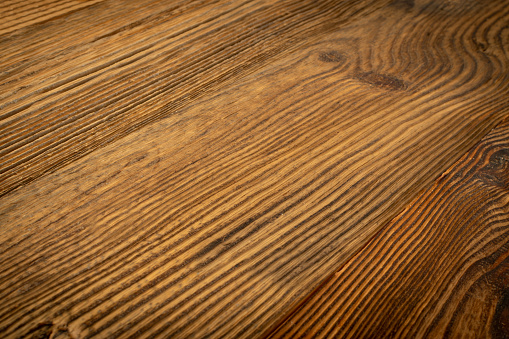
[76, 83]
[440, 269]
[164, 176]
[16, 15]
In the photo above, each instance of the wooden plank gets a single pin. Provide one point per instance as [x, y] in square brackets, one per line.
[216, 219]
[16, 15]
[89, 78]
[440, 269]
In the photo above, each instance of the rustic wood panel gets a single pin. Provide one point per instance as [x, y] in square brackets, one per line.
[440, 269]
[74, 84]
[19, 14]
[231, 206]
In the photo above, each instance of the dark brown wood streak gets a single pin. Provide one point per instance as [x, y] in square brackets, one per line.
[195, 168]
[440, 269]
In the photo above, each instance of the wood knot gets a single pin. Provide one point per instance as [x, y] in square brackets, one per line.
[496, 172]
[381, 80]
[500, 159]
[500, 324]
[331, 56]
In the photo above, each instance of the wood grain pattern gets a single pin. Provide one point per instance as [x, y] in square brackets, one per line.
[229, 207]
[440, 269]
[96, 75]
[16, 14]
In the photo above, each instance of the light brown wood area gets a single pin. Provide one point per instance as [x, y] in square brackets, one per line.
[16, 14]
[440, 269]
[197, 168]
[81, 81]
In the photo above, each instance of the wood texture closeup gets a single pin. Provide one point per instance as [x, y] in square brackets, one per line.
[15, 14]
[440, 269]
[196, 168]
[84, 80]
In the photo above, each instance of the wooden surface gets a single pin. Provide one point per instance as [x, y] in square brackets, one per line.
[440, 269]
[83, 80]
[198, 168]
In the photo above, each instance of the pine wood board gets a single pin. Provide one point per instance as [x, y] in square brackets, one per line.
[16, 15]
[214, 216]
[439, 269]
[76, 83]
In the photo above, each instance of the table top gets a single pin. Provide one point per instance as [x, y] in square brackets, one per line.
[248, 169]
